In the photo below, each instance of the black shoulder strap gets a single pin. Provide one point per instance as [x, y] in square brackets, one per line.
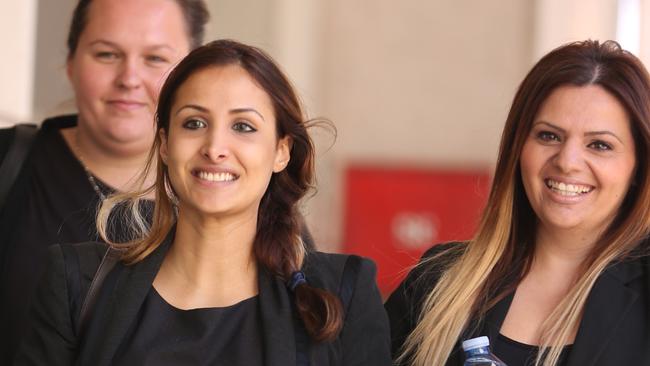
[111, 257]
[13, 161]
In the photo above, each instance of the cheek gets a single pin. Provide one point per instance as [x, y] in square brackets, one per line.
[527, 162]
[153, 80]
[90, 82]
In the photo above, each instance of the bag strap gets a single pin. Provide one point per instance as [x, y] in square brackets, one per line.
[110, 259]
[15, 157]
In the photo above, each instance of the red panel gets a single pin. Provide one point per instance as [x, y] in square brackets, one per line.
[393, 215]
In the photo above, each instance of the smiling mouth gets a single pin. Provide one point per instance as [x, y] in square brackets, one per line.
[215, 177]
[565, 189]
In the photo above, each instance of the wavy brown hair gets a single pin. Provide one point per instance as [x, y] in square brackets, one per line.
[277, 246]
[501, 252]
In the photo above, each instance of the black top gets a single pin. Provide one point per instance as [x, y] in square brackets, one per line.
[164, 335]
[51, 202]
[52, 340]
[514, 353]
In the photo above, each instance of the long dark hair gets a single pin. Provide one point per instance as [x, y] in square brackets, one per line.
[500, 254]
[278, 246]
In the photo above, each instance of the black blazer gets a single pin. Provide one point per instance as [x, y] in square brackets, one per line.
[615, 326]
[364, 339]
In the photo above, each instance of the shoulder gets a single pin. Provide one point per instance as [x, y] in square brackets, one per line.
[404, 304]
[326, 269]
[433, 263]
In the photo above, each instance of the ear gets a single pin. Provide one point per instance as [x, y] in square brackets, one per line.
[282, 154]
[163, 145]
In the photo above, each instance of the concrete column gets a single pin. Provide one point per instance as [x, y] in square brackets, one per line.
[17, 35]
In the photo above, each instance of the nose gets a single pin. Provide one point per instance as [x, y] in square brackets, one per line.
[216, 146]
[569, 157]
[129, 75]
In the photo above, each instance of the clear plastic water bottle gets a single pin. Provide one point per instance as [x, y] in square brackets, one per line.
[477, 353]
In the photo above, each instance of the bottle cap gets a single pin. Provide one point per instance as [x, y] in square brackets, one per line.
[476, 343]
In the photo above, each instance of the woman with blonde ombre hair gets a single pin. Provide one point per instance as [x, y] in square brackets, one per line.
[558, 272]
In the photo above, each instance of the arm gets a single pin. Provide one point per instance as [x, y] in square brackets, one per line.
[365, 335]
[51, 338]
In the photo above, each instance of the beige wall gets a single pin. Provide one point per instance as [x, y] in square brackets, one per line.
[425, 83]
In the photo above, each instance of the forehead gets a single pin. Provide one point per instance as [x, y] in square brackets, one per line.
[227, 87]
[584, 107]
[137, 23]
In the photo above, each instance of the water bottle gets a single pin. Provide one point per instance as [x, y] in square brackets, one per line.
[477, 353]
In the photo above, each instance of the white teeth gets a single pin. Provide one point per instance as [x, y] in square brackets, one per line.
[567, 189]
[217, 177]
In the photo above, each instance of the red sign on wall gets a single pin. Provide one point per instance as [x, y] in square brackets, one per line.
[394, 215]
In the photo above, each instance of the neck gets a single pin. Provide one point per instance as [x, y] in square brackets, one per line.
[563, 249]
[211, 261]
[118, 167]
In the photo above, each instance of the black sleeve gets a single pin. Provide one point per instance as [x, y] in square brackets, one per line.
[365, 336]
[6, 136]
[404, 304]
[51, 339]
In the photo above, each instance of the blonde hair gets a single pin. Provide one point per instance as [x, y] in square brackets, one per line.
[502, 248]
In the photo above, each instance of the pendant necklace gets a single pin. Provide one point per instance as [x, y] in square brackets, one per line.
[89, 175]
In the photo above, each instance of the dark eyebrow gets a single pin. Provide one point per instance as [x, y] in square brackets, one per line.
[205, 110]
[192, 106]
[550, 125]
[590, 133]
[244, 110]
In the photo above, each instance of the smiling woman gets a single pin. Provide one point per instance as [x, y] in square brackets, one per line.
[558, 271]
[222, 275]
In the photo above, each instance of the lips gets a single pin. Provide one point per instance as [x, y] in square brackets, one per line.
[126, 104]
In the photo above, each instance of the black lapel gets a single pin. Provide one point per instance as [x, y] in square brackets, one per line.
[607, 306]
[277, 321]
[489, 326]
[495, 317]
[112, 321]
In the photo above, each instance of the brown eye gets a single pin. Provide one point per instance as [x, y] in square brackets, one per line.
[600, 145]
[243, 127]
[547, 136]
[194, 124]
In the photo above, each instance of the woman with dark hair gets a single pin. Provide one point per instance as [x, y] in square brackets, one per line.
[221, 276]
[558, 272]
[119, 52]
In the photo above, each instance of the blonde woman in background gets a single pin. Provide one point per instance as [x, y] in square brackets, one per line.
[119, 52]
[558, 272]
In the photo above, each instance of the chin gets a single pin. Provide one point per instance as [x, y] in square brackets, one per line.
[129, 134]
